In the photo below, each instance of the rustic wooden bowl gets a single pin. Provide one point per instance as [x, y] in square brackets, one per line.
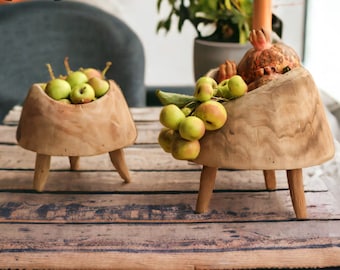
[51, 128]
[279, 126]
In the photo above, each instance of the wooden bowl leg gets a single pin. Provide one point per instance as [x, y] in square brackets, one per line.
[41, 171]
[270, 179]
[207, 183]
[296, 189]
[74, 163]
[118, 160]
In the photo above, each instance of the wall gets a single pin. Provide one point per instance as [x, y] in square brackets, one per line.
[322, 59]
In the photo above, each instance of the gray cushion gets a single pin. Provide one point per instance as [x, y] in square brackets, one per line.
[34, 33]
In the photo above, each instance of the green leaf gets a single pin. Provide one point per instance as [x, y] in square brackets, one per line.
[227, 4]
[159, 2]
[226, 15]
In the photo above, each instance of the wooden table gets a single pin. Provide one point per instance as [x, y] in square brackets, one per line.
[91, 219]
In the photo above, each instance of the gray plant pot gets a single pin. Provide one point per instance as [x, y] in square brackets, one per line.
[210, 54]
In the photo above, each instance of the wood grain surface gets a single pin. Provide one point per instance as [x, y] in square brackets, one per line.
[52, 128]
[280, 125]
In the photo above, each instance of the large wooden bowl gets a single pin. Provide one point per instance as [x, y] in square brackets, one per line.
[279, 126]
[52, 128]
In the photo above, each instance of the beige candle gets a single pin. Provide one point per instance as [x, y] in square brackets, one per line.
[262, 14]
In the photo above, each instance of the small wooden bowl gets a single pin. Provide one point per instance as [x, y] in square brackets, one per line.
[281, 125]
[52, 128]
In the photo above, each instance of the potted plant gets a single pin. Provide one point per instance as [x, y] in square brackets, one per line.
[222, 28]
[224, 20]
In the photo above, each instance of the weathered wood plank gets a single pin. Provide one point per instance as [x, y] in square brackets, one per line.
[257, 259]
[171, 246]
[137, 158]
[146, 113]
[13, 116]
[148, 181]
[8, 134]
[210, 237]
[147, 133]
[145, 208]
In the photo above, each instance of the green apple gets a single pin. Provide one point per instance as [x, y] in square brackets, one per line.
[99, 85]
[223, 89]
[213, 114]
[76, 78]
[191, 128]
[204, 91]
[82, 94]
[58, 89]
[170, 116]
[185, 150]
[165, 138]
[208, 80]
[237, 86]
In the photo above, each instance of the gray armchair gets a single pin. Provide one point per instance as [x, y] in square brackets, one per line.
[34, 33]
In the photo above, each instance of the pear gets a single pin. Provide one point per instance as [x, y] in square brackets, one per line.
[208, 80]
[82, 94]
[213, 114]
[165, 138]
[191, 128]
[205, 88]
[65, 101]
[99, 85]
[170, 116]
[92, 72]
[237, 86]
[223, 89]
[185, 150]
[57, 88]
[187, 111]
[107, 66]
[74, 77]
[204, 92]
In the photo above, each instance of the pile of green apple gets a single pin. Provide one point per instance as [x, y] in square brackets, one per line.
[187, 118]
[77, 87]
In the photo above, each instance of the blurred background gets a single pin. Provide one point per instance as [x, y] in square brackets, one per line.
[169, 56]
[309, 26]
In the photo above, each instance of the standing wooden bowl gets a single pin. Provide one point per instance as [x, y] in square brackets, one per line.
[52, 128]
[279, 126]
